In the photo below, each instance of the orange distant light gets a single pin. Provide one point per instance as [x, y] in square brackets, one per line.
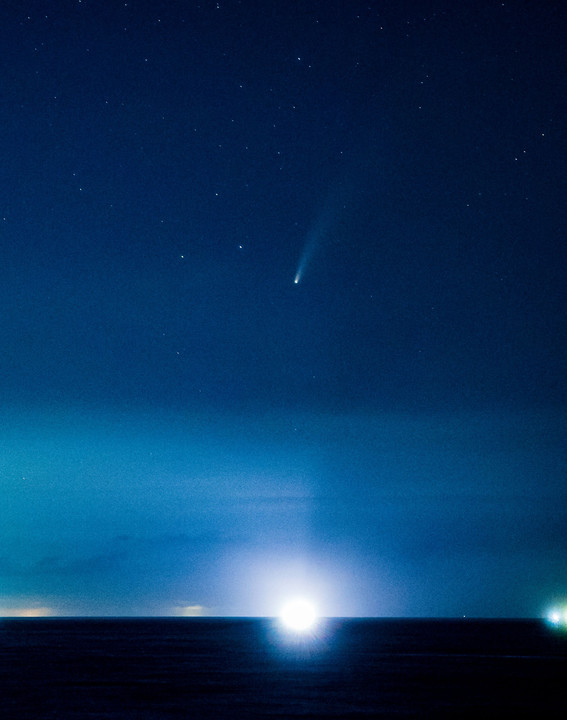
[34, 611]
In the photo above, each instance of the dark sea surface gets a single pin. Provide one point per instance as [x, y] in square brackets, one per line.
[251, 668]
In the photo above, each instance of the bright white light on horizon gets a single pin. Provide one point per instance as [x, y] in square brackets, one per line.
[299, 615]
[557, 616]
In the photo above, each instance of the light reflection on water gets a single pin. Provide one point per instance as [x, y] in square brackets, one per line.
[241, 668]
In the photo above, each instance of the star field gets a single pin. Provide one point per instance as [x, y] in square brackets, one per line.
[283, 287]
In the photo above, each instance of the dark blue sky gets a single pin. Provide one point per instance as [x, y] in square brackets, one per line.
[182, 425]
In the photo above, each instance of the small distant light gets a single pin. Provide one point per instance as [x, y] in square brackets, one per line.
[557, 617]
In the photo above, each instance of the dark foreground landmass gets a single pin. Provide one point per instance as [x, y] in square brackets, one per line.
[250, 668]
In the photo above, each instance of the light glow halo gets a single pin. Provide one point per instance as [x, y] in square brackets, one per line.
[298, 615]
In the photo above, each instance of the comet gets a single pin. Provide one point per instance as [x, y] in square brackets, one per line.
[319, 231]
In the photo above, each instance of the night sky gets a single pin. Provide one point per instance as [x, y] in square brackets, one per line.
[184, 428]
